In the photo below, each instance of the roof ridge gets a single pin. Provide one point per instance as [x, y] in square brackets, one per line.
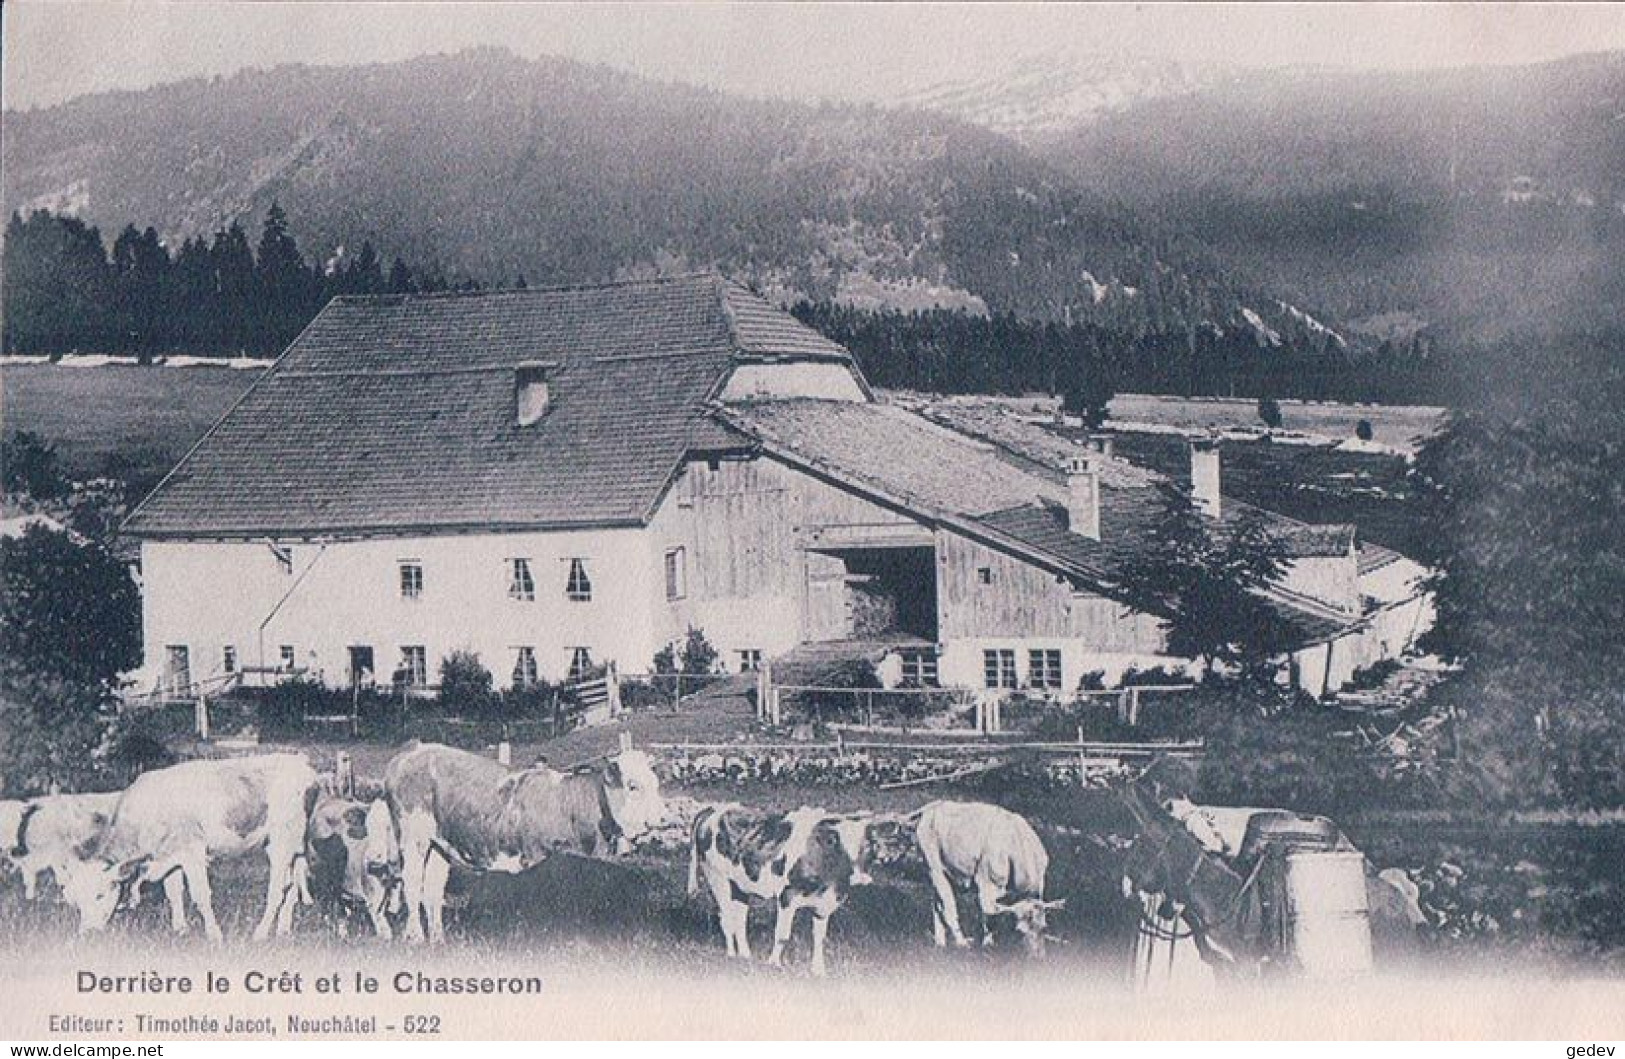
[395, 298]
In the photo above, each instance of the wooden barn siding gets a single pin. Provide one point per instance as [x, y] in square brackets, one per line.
[1030, 603]
[745, 525]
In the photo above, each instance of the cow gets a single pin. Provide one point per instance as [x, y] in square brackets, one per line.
[994, 852]
[454, 807]
[806, 858]
[46, 834]
[171, 822]
[54, 834]
[352, 860]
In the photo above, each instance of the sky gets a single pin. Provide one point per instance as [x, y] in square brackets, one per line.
[54, 50]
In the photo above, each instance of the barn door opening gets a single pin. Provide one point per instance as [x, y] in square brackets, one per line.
[880, 594]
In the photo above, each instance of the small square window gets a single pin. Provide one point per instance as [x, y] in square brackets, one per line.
[750, 659]
[521, 585]
[578, 586]
[676, 574]
[984, 575]
[919, 667]
[228, 659]
[284, 658]
[524, 667]
[411, 579]
[1044, 669]
[580, 663]
[999, 668]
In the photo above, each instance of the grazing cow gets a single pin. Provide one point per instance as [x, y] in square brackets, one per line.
[803, 859]
[46, 834]
[353, 860]
[454, 807]
[994, 852]
[55, 834]
[172, 821]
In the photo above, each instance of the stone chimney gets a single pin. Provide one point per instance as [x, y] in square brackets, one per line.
[1205, 476]
[1083, 497]
[1105, 444]
[531, 396]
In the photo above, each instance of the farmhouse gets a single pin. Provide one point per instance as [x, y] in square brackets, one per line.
[555, 479]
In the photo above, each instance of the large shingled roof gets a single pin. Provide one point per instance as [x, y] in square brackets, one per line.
[393, 413]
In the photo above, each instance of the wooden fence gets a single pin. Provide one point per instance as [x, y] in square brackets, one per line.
[951, 708]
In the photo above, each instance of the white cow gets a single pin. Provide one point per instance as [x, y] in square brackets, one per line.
[55, 834]
[173, 821]
[996, 853]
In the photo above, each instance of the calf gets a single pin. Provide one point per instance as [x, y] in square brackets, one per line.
[172, 821]
[996, 853]
[452, 806]
[803, 859]
[353, 860]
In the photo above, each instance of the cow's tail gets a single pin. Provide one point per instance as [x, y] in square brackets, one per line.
[701, 820]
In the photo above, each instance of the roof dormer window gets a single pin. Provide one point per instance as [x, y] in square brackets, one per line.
[532, 397]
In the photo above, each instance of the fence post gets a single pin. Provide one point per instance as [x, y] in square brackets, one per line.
[613, 681]
[202, 716]
[869, 708]
[777, 706]
[504, 753]
[1134, 707]
[764, 687]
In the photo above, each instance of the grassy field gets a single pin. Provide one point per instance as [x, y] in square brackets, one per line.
[118, 421]
[1400, 425]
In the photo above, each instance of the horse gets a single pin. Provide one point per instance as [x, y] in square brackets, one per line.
[1224, 909]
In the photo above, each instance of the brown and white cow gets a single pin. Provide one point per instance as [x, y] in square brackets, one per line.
[352, 860]
[806, 858]
[454, 807]
[171, 822]
[992, 851]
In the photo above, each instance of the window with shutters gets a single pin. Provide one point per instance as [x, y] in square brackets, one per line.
[228, 659]
[521, 585]
[524, 667]
[580, 663]
[578, 586]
